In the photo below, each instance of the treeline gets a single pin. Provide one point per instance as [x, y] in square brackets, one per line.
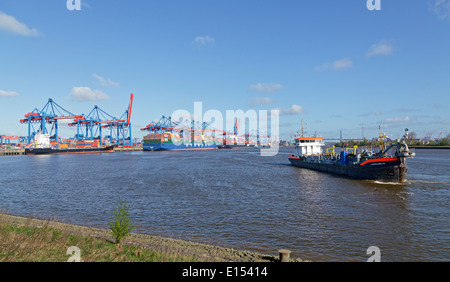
[411, 142]
[414, 141]
[359, 143]
[439, 142]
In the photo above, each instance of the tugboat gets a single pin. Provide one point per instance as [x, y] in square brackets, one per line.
[358, 165]
[42, 146]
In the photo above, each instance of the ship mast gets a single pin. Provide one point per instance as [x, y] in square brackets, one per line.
[302, 127]
[381, 139]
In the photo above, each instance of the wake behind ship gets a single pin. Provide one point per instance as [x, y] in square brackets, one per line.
[359, 165]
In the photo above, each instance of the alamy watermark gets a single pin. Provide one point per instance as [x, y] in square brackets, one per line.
[73, 5]
[373, 251]
[375, 254]
[262, 125]
[75, 254]
[373, 5]
[76, 5]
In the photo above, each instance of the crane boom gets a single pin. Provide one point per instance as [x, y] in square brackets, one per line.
[129, 109]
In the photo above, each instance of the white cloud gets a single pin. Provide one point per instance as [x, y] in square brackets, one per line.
[322, 67]
[442, 9]
[261, 101]
[12, 25]
[377, 113]
[397, 120]
[268, 88]
[201, 41]
[293, 110]
[105, 81]
[86, 94]
[336, 65]
[382, 48]
[342, 64]
[4, 93]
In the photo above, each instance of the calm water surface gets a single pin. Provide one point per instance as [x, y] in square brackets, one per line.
[236, 198]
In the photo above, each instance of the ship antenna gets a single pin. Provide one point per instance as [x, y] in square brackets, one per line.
[381, 138]
[302, 127]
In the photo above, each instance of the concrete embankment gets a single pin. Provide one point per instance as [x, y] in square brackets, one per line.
[12, 152]
[127, 149]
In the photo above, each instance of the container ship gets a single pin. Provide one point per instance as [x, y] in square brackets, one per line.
[364, 164]
[167, 141]
[43, 146]
[233, 141]
[235, 146]
[242, 146]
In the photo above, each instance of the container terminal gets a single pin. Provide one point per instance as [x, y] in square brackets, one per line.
[167, 134]
[95, 132]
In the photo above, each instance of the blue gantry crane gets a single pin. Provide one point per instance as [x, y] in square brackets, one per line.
[47, 120]
[89, 127]
[119, 128]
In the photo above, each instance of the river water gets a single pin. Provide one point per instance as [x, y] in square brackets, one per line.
[237, 198]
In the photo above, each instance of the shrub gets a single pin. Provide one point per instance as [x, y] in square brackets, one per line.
[121, 224]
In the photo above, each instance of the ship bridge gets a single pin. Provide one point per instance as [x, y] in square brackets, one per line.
[306, 146]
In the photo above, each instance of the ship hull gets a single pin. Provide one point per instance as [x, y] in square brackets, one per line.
[86, 150]
[234, 146]
[171, 146]
[383, 169]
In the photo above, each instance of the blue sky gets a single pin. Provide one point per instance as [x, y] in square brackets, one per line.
[332, 63]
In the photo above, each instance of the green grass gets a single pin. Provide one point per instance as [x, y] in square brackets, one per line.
[46, 244]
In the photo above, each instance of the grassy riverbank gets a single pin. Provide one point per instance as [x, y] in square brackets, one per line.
[35, 240]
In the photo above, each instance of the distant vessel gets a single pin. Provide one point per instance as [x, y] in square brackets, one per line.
[235, 146]
[165, 141]
[43, 146]
[359, 165]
